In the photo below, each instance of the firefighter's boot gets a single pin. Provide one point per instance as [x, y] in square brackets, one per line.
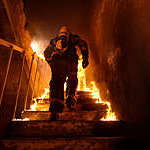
[71, 103]
[54, 116]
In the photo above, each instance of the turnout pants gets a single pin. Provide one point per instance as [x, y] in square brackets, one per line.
[61, 68]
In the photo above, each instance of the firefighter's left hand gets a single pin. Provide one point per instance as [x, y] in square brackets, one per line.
[85, 63]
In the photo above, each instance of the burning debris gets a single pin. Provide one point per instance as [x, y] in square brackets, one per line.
[82, 86]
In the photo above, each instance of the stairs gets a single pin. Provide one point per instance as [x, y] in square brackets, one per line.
[80, 115]
[74, 130]
[65, 129]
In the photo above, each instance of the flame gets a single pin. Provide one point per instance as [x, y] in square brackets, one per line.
[33, 107]
[45, 95]
[110, 116]
[24, 119]
[35, 47]
[95, 93]
[65, 86]
[81, 78]
[40, 99]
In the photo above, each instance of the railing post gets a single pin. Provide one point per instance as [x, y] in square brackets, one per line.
[28, 84]
[19, 84]
[6, 76]
[35, 76]
[38, 84]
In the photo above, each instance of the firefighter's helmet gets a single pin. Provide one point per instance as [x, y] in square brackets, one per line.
[63, 29]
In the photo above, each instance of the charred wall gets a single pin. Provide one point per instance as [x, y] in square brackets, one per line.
[12, 29]
[121, 51]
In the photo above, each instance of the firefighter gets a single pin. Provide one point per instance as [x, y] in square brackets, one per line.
[61, 55]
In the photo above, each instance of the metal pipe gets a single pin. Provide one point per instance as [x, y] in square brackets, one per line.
[19, 84]
[28, 84]
[35, 76]
[6, 76]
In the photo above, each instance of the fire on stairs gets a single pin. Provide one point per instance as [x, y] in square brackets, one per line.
[91, 95]
[92, 126]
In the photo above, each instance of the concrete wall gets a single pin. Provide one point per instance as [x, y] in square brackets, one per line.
[120, 53]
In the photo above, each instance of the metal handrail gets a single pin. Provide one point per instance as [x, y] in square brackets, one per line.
[8, 44]
[6, 76]
[13, 47]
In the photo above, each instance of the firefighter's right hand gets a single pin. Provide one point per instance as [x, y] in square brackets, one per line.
[49, 60]
[85, 63]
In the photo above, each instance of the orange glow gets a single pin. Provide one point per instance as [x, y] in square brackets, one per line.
[110, 115]
[82, 86]
[33, 107]
[81, 78]
[35, 47]
[45, 95]
[65, 86]
[40, 99]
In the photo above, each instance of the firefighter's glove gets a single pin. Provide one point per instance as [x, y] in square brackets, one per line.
[85, 62]
[49, 60]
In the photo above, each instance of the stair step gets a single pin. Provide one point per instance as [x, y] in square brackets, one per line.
[81, 115]
[94, 143]
[80, 95]
[83, 93]
[66, 128]
[92, 107]
[80, 100]
[85, 100]
[81, 106]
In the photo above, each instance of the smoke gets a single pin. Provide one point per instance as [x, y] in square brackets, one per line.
[44, 19]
